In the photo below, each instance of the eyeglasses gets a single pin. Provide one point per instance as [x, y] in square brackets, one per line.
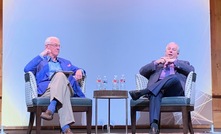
[55, 45]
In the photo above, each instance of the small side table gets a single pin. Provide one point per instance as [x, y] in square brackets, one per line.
[110, 94]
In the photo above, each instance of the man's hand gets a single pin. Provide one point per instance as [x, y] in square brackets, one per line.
[168, 61]
[162, 60]
[78, 75]
[45, 52]
[165, 60]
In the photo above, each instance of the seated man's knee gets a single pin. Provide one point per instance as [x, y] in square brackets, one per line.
[174, 77]
[60, 75]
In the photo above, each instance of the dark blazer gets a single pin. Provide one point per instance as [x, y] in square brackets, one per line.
[40, 68]
[152, 71]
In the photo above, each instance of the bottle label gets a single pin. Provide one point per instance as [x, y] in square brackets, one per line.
[122, 80]
[115, 81]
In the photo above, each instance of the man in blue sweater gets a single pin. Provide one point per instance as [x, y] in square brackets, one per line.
[52, 82]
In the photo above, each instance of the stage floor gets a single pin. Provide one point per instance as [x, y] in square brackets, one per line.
[117, 131]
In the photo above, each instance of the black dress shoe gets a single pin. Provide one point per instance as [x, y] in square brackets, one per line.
[154, 128]
[135, 94]
[147, 96]
[47, 115]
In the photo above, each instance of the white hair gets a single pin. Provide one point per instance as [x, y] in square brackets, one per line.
[51, 40]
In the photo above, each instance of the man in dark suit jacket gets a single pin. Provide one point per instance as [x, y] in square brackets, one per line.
[52, 82]
[166, 77]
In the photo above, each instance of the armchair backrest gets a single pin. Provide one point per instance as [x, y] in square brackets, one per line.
[31, 87]
[141, 83]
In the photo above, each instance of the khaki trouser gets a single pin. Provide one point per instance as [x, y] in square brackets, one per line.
[60, 89]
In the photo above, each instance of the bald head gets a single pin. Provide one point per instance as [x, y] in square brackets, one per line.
[172, 50]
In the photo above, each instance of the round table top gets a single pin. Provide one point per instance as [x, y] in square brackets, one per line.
[110, 94]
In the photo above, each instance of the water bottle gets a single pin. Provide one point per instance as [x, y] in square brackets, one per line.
[99, 82]
[122, 82]
[105, 82]
[115, 83]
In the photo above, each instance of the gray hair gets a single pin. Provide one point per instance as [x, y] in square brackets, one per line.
[51, 39]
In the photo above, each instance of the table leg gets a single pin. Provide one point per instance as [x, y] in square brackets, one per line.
[108, 126]
[126, 116]
[95, 115]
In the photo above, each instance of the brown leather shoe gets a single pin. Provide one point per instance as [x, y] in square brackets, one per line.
[67, 131]
[47, 115]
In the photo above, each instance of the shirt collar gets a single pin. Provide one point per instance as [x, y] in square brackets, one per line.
[49, 59]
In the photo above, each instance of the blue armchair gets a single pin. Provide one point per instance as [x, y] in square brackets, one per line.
[184, 104]
[36, 105]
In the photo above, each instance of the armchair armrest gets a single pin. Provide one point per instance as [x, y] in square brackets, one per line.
[83, 84]
[30, 88]
[190, 87]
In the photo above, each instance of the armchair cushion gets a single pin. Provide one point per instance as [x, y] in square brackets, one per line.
[75, 101]
[166, 101]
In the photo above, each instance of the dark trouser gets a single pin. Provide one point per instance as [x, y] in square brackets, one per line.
[169, 86]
